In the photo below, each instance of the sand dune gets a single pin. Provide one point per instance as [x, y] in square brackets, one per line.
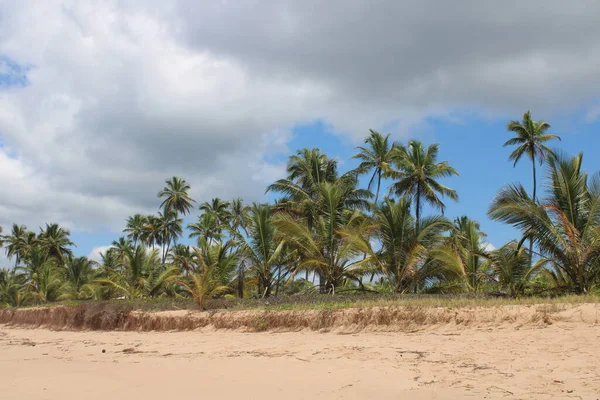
[539, 359]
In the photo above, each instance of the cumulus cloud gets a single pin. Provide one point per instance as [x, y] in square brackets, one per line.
[95, 253]
[102, 101]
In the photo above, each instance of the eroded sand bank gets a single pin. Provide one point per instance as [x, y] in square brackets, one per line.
[514, 361]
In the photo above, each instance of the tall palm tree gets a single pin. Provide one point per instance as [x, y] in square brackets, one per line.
[16, 243]
[54, 239]
[121, 247]
[565, 225]
[416, 170]
[307, 169]
[207, 227]
[530, 139]
[176, 197]
[170, 229]
[405, 247]
[376, 157]
[238, 212]
[218, 208]
[135, 228]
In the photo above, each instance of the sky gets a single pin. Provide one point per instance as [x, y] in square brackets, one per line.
[102, 101]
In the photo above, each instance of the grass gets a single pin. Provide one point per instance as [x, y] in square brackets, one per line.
[328, 302]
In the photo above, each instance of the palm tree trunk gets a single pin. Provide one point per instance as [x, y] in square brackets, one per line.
[418, 210]
[240, 285]
[378, 185]
[534, 193]
[278, 280]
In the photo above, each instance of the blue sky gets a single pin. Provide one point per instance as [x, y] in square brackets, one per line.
[101, 102]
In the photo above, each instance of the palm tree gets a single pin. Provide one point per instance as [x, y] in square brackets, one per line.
[55, 241]
[170, 229]
[79, 273]
[530, 139]
[464, 256]
[416, 171]
[203, 285]
[218, 208]
[207, 227]
[135, 228]
[17, 243]
[141, 275]
[12, 288]
[375, 157]
[46, 283]
[309, 171]
[511, 266]
[152, 235]
[176, 196]
[306, 171]
[262, 247]
[330, 242]
[213, 270]
[238, 212]
[565, 225]
[405, 248]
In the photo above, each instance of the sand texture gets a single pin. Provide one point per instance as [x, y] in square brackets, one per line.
[554, 356]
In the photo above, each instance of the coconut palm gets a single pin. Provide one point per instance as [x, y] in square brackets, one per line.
[328, 243]
[416, 171]
[214, 268]
[152, 234]
[46, 283]
[511, 266]
[16, 243]
[121, 247]
[262, 248]
[176, 197]
[207, 227]
[530, 140]
[307, 169]
[464, 255]
[565, 225]
[79, 271]
[182, 256]
[141, 275]
[170, 229]
[375, 157]
[12, 288]
[203, 285]
[238, 212]
[54, 239]
[218, 208]
[135, 228]
[405, 248]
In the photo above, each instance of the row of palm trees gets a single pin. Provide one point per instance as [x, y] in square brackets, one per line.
[326, 233]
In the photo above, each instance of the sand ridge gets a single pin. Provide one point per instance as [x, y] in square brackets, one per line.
[513, 361]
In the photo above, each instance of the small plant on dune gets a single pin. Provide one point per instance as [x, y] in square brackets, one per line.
[213, 268]
[203, 286]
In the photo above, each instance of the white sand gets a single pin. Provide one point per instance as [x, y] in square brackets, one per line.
[507, 361]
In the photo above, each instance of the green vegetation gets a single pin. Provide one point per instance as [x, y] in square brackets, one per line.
[328, 235]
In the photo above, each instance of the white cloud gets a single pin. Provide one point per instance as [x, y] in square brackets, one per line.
[122, 95]
[96, 251]
[489, 247]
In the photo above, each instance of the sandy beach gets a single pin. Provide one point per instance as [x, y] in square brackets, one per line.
[550, 361]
